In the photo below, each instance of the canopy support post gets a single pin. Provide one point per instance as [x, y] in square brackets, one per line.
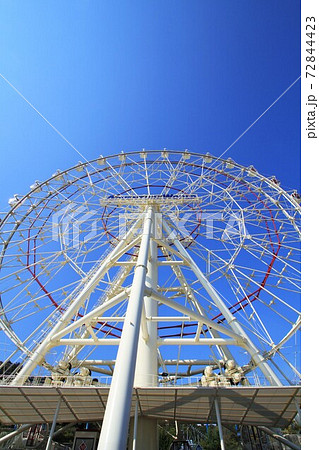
[135, 426]
[219, 423]
[55, 418]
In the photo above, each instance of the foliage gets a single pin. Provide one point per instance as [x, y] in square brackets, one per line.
[208, 437]
[66, 436]
[165, 436]
[293, 428]
[212, 440]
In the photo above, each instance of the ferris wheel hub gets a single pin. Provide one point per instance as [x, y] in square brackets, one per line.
[150, 199]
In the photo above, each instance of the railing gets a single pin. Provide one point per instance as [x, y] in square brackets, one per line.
[77, 380]
[58, 381]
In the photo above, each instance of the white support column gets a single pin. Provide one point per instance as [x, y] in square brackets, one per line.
[231, 320]
[116, 285]
[219, 423]
[40, 352]
[147, 363]
[55, 418]
[117, 414]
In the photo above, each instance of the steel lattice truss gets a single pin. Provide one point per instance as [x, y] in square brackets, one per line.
[77, 236]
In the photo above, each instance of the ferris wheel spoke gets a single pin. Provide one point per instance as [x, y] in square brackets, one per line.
[291, 366]
[173, 176]
[273, 295]
[223, 351]
[264, 250]
[31, 281]
[120, 179]
[252, 307]
[286, 338]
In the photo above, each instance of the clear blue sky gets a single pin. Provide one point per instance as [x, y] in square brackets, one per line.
[126, 75]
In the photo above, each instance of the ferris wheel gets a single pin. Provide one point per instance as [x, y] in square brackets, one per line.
[220, 291]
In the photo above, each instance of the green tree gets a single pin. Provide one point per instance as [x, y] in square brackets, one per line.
[165, 436]
[212, 440]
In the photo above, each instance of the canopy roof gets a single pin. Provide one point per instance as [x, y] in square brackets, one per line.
[268, 406]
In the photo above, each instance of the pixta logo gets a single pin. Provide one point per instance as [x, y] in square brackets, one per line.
[219, 225]
[71, 222]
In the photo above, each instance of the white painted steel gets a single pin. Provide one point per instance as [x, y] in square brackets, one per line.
[91, 316]
[230, 318]
[14, 433]
[55, 418]
[195, 316]
[146, 372]
[146, 365]
[224, 352]
[43, 348]
[202, 341]
[219, 423]
[117, 413]
[135, 426]
[88, 341]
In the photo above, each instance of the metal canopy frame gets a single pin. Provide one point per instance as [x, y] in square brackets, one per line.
[266, 405]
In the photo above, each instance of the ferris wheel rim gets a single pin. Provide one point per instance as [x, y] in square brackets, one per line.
[153, 152]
